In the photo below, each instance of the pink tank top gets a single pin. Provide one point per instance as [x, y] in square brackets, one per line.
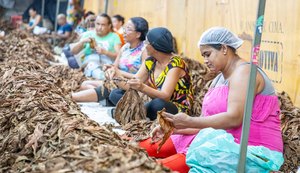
[265, 123]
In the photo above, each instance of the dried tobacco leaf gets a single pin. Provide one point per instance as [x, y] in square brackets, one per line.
[166, 126]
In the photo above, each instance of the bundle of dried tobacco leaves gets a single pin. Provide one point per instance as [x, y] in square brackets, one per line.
[290, 127]
[43, 130]
[130, 107]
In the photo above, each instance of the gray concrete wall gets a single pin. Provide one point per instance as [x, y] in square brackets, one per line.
[18, 9]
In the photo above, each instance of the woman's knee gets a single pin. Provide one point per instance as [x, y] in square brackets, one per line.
[115, 95]
[158, 101]
[153, 106]
[89, 84]
[175, 162]
[158, 104]
[168, 149]
[85, 85]
[102, 93]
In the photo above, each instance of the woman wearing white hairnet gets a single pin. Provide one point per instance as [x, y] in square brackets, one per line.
[217, 131]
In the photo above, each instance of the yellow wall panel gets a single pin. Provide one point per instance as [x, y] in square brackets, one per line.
[187, 19]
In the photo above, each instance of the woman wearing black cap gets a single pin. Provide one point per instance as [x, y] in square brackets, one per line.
[164, 77]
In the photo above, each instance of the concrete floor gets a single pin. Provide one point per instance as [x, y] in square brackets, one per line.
[99, 114]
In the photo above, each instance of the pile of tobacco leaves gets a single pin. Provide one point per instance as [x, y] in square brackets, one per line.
[42, 129]
[290, 128]
[21, 45]
[201, 79]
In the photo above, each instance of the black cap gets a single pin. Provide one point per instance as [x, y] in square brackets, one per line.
[161, 39]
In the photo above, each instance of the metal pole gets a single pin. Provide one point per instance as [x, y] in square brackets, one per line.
[56, 14]
[43, 11]
[251, 86]
[106, 6]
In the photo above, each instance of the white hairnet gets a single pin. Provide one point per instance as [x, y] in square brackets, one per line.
[220, 35]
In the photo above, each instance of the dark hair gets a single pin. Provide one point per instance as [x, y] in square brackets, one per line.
[33, 8]
[219, 47]
[161, 39]
[88, 13]
[108, 18]
[140, 25]
[119, 18]
[89, 21]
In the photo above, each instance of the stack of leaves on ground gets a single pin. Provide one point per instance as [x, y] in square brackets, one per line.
[43, 130]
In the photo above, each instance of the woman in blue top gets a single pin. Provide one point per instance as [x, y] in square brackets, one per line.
[64, 30]
[127, 63]
[35, 19]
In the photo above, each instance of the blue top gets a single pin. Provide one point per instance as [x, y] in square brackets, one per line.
[64, 28]
[32, 21]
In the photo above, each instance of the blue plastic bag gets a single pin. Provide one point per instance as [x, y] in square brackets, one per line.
[215, 151]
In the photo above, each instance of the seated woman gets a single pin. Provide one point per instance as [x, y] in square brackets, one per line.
[87, 25]
[164, 77]
[64, 30]
[35, 19]
[118, 22]
[126, 65]
[223, 108]
[104, 51]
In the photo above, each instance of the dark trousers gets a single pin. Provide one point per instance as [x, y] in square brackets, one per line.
[152, 107]
[103, 95]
